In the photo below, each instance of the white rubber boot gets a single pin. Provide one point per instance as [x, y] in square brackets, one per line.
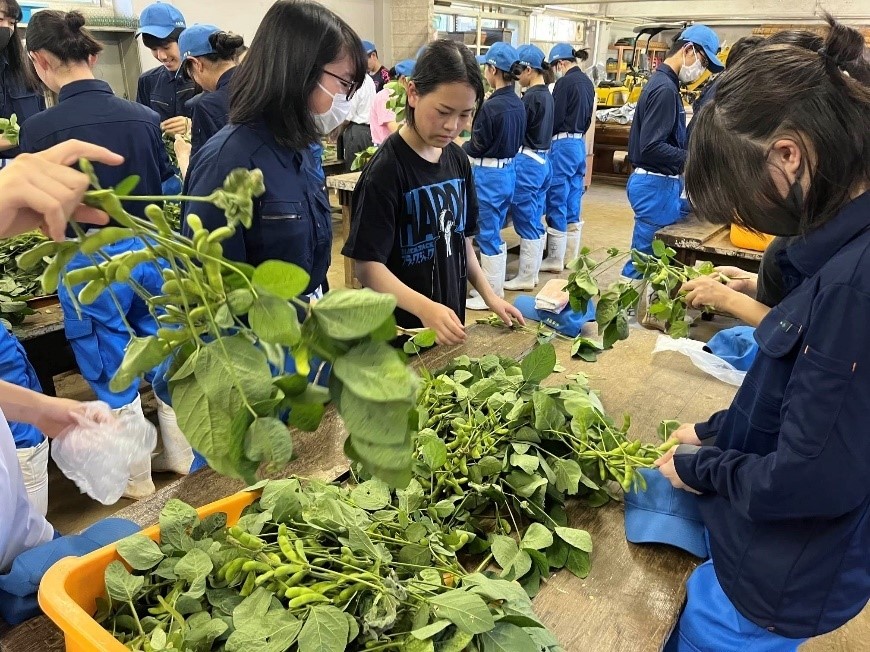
[572, 248]
[530, 263]
[140, 485]
[474, 294]
[34, 468]
[493, 269]
[177, 455]
[557, 241]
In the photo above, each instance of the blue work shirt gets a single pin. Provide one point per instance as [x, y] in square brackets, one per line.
[88, 110]
[707, 94]
[499, 126]
[538, 101]
[165, 92]
[210, 112]
[657, 140]
[17, 98]
[292, 220]
[574, 103]
[785, 494]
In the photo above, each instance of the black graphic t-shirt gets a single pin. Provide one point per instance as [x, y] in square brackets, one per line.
[413, 216]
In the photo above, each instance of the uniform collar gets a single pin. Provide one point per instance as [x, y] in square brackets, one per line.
[573, 70]
[504, 90]
[669, 73]
[83, 86]
[286, 157]
[810, 253]
[225, 78]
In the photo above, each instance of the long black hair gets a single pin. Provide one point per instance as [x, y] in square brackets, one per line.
[446, 62]
[284, 64]
[62, 34]
[782, 91]
[19, 65]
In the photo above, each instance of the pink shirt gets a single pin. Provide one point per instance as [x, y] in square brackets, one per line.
[381, 117]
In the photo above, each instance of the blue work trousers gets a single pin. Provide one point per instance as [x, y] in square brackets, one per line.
[711, 623]
[565, 197]
[530, 195]
[16, 369]
[495, 189]
[656, 203]
[99, 335]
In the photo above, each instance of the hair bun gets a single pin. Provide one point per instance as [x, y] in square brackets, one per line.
[75, 20]
[842, 44]
[581, 54]
[226, 43]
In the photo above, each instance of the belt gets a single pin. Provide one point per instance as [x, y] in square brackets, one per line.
[538, 155]
[565, 134]
[657, 174]
[491, 162]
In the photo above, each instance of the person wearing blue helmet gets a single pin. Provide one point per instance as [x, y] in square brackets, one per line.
[574, 101]
[496, 137]
[208, 56]
[533, 168]
[657, 142]
[377, 71]
[161, 89]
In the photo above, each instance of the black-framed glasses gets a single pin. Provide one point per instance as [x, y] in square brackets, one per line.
[349, 87]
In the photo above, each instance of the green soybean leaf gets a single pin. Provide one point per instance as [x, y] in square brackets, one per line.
[240, 301]
[466, 610]
[433, 450]
[282, 279]
[578, 563]
[537, 537]
[158, 640]
[494, 589]
[507, 638]
[528, 463]
[306, 416]
[579, 539]
[140, 552]
[548, 416]
[268, 440]
[275, 321]
[371, 495]
[325, 630]
[568, 475]
[291, 385]
[252, 609]
[514, 562]
[177, 521]
[120, 584]
[374, 371]
[194, 568]
[353, 314]
[539, 363]
[431, 629]
[659, 249]
[457, 642]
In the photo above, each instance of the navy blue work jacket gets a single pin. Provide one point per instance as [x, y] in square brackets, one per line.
[499, 126]
[211, 112]
[17, 98]
[786, 496]
[165, 92]
[539, 118]
[574, 103]
[657, 141]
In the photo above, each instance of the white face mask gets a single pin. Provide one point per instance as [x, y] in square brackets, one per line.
[340, 109]
[558, 74]
[689, 74]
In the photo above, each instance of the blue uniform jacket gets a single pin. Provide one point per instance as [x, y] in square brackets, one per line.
[657, 140]
[574, 103]
[292, 220]
[89, 111]
[707, 94]
[211, 112]
[538, 101]
[165, 92]
[785, 492]
[499, 127]
[17, 98]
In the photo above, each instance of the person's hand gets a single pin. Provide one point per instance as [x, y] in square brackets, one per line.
[441, 319]
[707, 292]
[738, 279]
[686, 434]
[666, 466]
[177, 126]
[182, 147]
[41, 191]
[54, 415]
[505, 311]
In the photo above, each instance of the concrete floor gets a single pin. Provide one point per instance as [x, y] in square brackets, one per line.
[608, 223]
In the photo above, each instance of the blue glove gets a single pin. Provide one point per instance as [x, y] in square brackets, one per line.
[19, 586]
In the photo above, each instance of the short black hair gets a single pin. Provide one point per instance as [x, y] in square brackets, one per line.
[19, 65]
[152, 42]
[446, 62]
[284, 64]
[62, 34]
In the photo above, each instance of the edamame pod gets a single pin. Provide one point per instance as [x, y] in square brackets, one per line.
[89, 293]
[109, 235]
[303, 600]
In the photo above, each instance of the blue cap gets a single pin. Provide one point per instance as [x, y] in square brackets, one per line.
[531, 56]
[566, 322]
[706, 38]
[160, 20]
[405, 68]
[501, 55]
[421, 51]
[194, 41]
[560, 52]
[736, 346]
[369, 47]
[664, 514]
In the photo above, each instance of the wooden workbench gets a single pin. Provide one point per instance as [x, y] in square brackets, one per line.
[345, 185]
[44, 340]
[695, 240]
[633, 594]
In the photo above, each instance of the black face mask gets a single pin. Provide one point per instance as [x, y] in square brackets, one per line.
[5, 37]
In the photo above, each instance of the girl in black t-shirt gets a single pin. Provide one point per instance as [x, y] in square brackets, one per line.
[415, 207]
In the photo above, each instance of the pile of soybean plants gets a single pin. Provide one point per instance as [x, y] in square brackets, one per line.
[311, 567]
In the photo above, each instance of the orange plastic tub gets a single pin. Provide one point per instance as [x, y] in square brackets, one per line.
[745, 239]
[68, 591]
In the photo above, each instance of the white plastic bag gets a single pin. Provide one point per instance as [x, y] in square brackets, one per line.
[707, 362]
[97, 454]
